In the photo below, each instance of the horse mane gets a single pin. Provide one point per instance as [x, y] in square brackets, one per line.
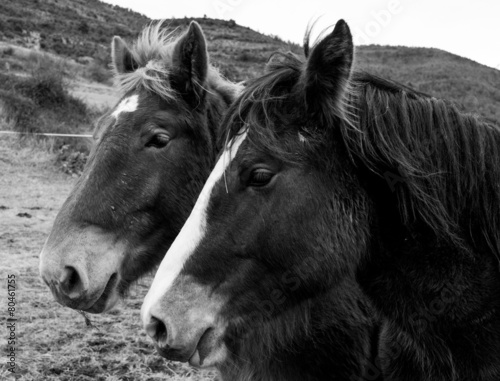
[152, 51]
[444, 159]
[441, 164]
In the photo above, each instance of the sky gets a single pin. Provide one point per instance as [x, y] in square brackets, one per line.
[469, 28]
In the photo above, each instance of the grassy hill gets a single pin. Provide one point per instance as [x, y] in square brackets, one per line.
[436, 72]
[82, 30]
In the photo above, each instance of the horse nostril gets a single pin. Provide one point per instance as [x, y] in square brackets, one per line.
[157, 330]
[71, 283]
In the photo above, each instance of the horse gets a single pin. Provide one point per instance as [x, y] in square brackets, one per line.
[331, 178]
[150, 158]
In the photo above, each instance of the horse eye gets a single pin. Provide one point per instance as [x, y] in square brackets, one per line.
[158, 141]
[260, 177]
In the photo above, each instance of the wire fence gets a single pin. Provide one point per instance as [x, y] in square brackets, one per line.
[45, 134]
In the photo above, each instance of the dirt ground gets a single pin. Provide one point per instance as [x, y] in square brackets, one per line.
[53, 342]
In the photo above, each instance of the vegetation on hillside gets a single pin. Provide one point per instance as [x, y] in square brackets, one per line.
[73, 28]
[82, 31]
[473, 86]
[40, 101]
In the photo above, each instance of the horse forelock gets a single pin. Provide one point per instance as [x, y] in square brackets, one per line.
[153, 52]
[261, 104]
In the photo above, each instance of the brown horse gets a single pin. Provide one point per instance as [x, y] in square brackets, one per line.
[150, 158]
[333, 178]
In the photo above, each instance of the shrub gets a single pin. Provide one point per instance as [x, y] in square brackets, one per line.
[83, 27]
[98, 73]
[48, 89]
[41, 102]
[8, 51]
[45, 89]
[248, 56]
[20, 111]
[245, 57]
[71, 161]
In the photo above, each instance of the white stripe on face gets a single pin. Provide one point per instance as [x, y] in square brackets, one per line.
[128, 104]
[191, 233]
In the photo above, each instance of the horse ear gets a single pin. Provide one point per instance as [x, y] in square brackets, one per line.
[191, 59]
[123, 61]
[328, 70]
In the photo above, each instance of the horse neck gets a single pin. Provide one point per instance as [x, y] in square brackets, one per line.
[332, 336]
[413, 266]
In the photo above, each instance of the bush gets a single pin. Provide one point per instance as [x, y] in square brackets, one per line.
[8, 51]
[83, 27]
[72, 162]
[41, 102]
[248, 56]
[245, 57]
[48, 89]
[22, 112]
[98, 73]
[45, 89]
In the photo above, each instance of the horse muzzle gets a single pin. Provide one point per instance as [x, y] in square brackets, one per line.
[184, 325]
[82, 270]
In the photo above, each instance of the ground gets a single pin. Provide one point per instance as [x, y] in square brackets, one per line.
[54, 342]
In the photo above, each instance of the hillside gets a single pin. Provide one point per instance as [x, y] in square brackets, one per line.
[436, 72]
[82, 30]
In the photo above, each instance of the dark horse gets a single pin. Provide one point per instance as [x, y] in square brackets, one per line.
[150, 159]
[331, 178]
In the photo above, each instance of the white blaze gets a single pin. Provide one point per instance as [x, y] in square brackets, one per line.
[127, 105]
[191, 233]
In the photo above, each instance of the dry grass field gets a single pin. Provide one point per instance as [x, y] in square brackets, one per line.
[54, 342]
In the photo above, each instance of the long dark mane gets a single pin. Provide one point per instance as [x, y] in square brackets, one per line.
[441, 163]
